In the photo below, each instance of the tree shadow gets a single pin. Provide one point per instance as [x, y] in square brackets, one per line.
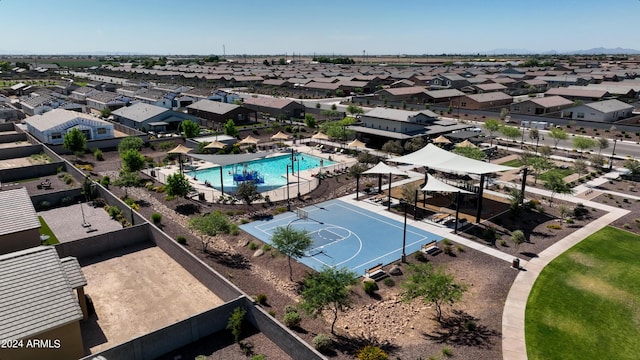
[352, 344]
[529, 254]
[187, 209]
[234, 261]
[143, 203]
[540, 234]
[463, 329]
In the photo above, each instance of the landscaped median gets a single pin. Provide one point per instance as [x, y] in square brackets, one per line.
[585, 303]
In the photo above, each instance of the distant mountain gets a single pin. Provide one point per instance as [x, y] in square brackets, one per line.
[594, 51]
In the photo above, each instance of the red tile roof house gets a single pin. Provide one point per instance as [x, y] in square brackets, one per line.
[586, 95]
[541, 106]
[482, 101]
[275, 107]
[414, 94]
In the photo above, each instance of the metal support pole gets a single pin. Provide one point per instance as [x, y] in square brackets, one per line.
[298, 161]
[480, 191]
[415, 206]
[357, 186]
[524, 184]
[221, 183]
[455, 229]
[613, 152]
[389, 204]
[379, 183]
[288, 200]
[292, 159]
[404, 235]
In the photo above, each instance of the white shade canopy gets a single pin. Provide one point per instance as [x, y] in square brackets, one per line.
[436, 185]
[383, 168]
[357, 144]
[280, 136]
[180, 149]
[433, 157]
[215, 145]
[249, 140]
[320, 136]
[466, 143]
[441, 140]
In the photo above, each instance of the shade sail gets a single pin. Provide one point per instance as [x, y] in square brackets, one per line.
[433, 157]
[383, 168]
[280, 136]
[441, 140]
[436, 185]
[357, 144]
[320, 136]
[180, 149]
[249, 140]
[216, 145]
[466, 143]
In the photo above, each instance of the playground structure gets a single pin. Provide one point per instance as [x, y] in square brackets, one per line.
[246, 175]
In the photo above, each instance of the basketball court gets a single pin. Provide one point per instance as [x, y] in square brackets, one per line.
[345, 235]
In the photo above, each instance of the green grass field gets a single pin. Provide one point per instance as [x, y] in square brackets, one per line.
[513, 163]
[46, 230]
[563, 172]
[586, 303]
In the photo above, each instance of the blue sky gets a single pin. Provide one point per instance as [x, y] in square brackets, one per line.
[320, 27]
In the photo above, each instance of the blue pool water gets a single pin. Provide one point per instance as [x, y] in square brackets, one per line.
[272, 170]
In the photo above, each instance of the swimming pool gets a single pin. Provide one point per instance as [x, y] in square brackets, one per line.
[272, 170]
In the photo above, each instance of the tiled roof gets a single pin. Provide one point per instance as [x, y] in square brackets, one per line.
[608, 106]
[17, 212]
[139, 112]
[59, 117]
[406, 90]
[73, 271]
[552, 101]
[491, 96]
[36, 295]
[215, 107]
[275, 103]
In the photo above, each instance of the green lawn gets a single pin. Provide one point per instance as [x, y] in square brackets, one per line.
[586, 303]
[46, 230]
[562, 172]
[514, 163]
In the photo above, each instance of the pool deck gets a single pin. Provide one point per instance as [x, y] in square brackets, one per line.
[307, 182]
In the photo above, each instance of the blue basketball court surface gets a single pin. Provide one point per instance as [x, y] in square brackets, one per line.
[345, 235]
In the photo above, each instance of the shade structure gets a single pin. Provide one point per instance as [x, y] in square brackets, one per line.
[384, 169]
[436, 185]
[357, 144]
[280, 136]
[441, 140]
[467, 144]
[180, 149]
[433, 157]
[320, 136]
[216, 145]
[249, 140]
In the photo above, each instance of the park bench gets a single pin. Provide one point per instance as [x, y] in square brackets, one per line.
[431, 248]
[376, 273]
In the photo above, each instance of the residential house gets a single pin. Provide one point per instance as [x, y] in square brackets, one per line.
[39, 302]
[19, 224]
[490, 87]
[448, 81]
[482, 101]
[579, 94]
[106, 100]
[147, 117]
[80, 94]
[51, 126]
[530, 86]
[156, 97]
[601, 111]
[36, 105]
[218, 112]
[276, 107]
[412, 95]
[380, 125]
[541, 105]
[444, 97]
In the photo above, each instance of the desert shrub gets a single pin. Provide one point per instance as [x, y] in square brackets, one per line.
[322, 342]
[259, 357]
[470, 325]
[370, 287]
[261, 299]
[280, 210]
[292, 319]
[626, 226]
[448, 249]
[460, 248]
[252, 246]
[234, 230]
[489, 234]
[67, 200]
[388, 282]
[99, 202]
[290, 308]
[181, 240]
[272, 313]
[419, 256]
[371, 352]
[266, 247]
[156, 218]
[160, 189]
[503, 242]
[169, 198]
[447, 352]
[105, 181]
[554, 226]
[235, 322]
[446, 242]
[580, 211]
[97, 153]
[230, 212]
[114, 211]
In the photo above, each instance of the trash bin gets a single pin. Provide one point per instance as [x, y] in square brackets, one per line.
[516, 263]
[201, 196]
[153, 173]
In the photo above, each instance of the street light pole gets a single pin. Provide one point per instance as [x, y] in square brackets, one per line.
[404, 234]
[298, 161]
[288, 200]
[612, 153]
